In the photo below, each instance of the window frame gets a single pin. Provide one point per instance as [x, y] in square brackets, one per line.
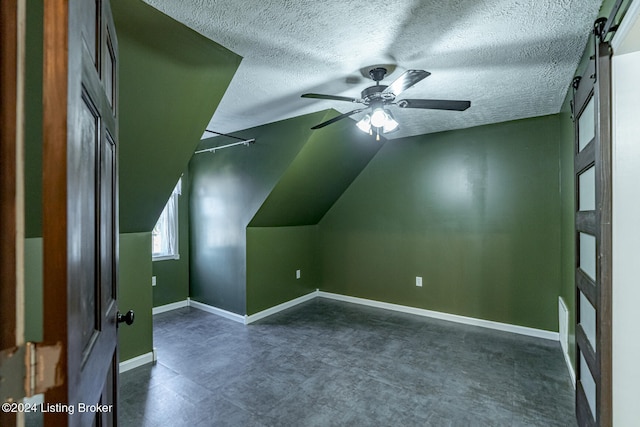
[173, 203]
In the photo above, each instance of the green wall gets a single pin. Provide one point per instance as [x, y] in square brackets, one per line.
[33, 119]
[171, 81]
[33, 172]
[172, 275]
[273, 256]
[134, 293]
[227, 189]
[134, 277]
[475, 212]
[33, 325]
[291, 176]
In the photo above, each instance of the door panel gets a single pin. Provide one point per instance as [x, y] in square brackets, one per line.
[107, 225]
[587, 190]
[586, 125]
[593, 240]
[587, 254]
[80, 199]
[110, 67]
[90, 14]
[82, 242]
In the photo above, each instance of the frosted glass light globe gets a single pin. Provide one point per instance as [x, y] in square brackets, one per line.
[378, 118]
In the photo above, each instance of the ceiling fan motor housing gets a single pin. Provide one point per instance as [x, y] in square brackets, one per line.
[374, 93]
[377, 74]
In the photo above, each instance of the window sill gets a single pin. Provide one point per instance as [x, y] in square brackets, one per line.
[165, 257]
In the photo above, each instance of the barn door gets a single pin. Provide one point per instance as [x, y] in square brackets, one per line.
[592, 115]
[80, 224]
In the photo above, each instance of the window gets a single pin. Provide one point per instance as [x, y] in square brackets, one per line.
[165, 233]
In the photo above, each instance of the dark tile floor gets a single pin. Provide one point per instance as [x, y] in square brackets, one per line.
[328, 363]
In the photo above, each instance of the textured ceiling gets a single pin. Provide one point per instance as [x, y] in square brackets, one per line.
[511, 58]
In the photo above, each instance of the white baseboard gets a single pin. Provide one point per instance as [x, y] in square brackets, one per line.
[522, 330]
[138, 361]
[169, 307]
[254, 317]
[218, 311]
[563, 327]
[275, 309]
[572, 373]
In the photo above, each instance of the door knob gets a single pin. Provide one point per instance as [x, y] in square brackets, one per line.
[127, 318]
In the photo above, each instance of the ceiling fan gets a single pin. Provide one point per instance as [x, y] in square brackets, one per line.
[377, 98]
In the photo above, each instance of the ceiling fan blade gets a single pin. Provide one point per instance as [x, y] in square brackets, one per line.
[435, 104]
[331, 97]
[335, 119]
[406, 80]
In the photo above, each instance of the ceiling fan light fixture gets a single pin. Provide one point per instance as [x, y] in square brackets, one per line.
[390, 124]
[365, 124]
[378, 118]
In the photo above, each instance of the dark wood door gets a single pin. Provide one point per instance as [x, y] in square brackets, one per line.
[80, 208]
[592, 101]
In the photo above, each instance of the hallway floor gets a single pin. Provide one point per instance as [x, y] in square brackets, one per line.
[329, 363]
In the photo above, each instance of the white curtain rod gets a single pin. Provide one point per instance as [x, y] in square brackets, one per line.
[213, 149]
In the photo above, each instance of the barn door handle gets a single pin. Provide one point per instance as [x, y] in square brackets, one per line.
[127, 318]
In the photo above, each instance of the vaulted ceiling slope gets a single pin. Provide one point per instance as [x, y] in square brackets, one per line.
[321, 171]
[511, 58]
[171, 80]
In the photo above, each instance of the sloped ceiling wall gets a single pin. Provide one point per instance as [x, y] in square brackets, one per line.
[171, 80]
[291, 176]
[227, 188]
[327, 164]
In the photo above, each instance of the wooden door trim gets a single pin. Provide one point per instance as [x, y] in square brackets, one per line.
[12, 47]
[8, 170]
[54, 191]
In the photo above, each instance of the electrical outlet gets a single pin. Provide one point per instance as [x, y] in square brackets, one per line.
[297, 274]
[419, 281]
[153, 280]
